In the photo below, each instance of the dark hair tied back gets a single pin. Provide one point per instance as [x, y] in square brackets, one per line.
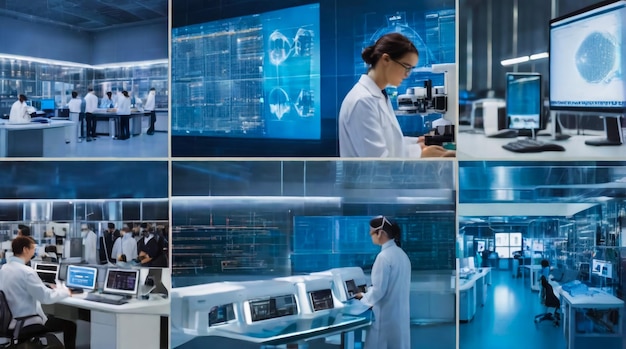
[395, 45]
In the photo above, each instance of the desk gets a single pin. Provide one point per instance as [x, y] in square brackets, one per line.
[535, 285]
[132, 325]
[589, 319]
[34, 139]
[113, 128]
[479, 147]
[472, 293]
[432, 299]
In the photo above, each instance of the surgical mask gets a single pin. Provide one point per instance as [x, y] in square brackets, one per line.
[83, 233]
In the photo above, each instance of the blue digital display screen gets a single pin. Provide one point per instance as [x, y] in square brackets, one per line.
[523, 101]
[255, 76]
[47, 104]
[586, 50]
[81, 277]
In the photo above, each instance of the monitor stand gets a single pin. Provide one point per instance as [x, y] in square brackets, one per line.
[613, 130]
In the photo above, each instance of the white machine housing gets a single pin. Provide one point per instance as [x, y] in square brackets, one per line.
[306, 284]
[451, 113]
[341, 275]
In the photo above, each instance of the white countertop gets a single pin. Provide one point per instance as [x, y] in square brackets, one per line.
[156, 305]
[597, 299]
[35, 125]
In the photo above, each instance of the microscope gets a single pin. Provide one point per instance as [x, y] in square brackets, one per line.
[430, 99]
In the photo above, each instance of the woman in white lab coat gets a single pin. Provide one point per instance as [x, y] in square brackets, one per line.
[389, 294]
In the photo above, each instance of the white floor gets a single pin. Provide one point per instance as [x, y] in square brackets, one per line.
[140, 146]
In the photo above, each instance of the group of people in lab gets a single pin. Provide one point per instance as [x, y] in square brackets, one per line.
[136, 244]
[122, 104]
[21, 112]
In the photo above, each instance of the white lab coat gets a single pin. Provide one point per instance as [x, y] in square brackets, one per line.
[389, 297]
[368, 126]
[149, 106]
[90, 250]
[25, 292]
[19, 113]
[123, 105]
[91, 102]
[125, 245]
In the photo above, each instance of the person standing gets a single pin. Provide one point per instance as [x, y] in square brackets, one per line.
[390, 291]
[123, 110]
[125, 248]
[149, 107]
[90, 242]
[19, 113]
[75, 106]
[106, 244]
[91, 104]
[25, 292]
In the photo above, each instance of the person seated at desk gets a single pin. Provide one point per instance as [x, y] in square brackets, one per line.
[125, 248]
[20, 111]
[25, 292]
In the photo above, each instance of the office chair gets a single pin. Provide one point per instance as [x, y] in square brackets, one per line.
[550, 301]
[21, 337]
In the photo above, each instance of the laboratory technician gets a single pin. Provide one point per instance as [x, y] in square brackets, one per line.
[75, 106]
[19, 113]
[107, 101]
[368, 126]
[91, 104]
[90, 244]
[123, 110]
[147, 248]
[106, 243]
[389, 294]
[149, 107]
[25, 292]
[125, 248]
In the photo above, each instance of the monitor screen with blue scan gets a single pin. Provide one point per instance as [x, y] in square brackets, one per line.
[523, 101]
[586, 59]
[81, 277]
[47, 104]
[124, 282]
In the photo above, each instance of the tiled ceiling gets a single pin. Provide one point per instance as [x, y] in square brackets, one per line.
[87, 15]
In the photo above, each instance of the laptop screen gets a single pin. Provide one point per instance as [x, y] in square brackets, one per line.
[48, 273]
[123, 282]
[81, 277]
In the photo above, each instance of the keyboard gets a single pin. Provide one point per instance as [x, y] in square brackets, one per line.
[531, 146]
[106, 298]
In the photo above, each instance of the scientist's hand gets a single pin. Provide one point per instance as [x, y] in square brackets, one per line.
[437, 151]
[358, 295]
[61, 287]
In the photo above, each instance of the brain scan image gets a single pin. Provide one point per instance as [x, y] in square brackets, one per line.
[279, 48]
[279, 102]
[305, 105]
[596, 57]
[303, 42]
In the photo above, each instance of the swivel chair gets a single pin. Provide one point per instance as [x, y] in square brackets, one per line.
[24, 337]
[550, 301]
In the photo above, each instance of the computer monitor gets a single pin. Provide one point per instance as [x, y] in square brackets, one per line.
[124, 282]
[47, 104]
[321, 299]
[524, 102]
[586, 50]
[48, 273]
[351, 288]
[81, 277]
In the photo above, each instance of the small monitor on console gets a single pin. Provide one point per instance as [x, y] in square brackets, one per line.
[122, 282]
[524, 103]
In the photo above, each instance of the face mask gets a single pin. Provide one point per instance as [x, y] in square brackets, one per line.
[83, 233]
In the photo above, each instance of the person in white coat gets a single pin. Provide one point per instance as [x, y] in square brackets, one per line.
[75, 105]
[123, 110]
[19, 113]
[389, 294]
[90, 244]
[149, 107]
[368, 126]
[25, 292]
[91, 104]
[125, 249]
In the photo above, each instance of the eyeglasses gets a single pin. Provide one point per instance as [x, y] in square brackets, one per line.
[382, 224]
[407, 68]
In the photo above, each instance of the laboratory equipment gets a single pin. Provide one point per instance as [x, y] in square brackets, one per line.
[347, 282]
[314, 292]
[444, 101]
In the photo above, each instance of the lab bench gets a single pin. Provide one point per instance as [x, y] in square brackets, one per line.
[34, 139]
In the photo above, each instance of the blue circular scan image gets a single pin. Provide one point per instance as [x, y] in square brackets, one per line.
[595, 57]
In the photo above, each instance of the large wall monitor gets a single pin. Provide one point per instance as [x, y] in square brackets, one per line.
[586, 59]
[124, 282]
[255, 76]
[81, 277]
[272, 307]
[524, 101]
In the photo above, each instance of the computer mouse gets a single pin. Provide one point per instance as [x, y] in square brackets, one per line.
[561, 137]
[551, 147]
